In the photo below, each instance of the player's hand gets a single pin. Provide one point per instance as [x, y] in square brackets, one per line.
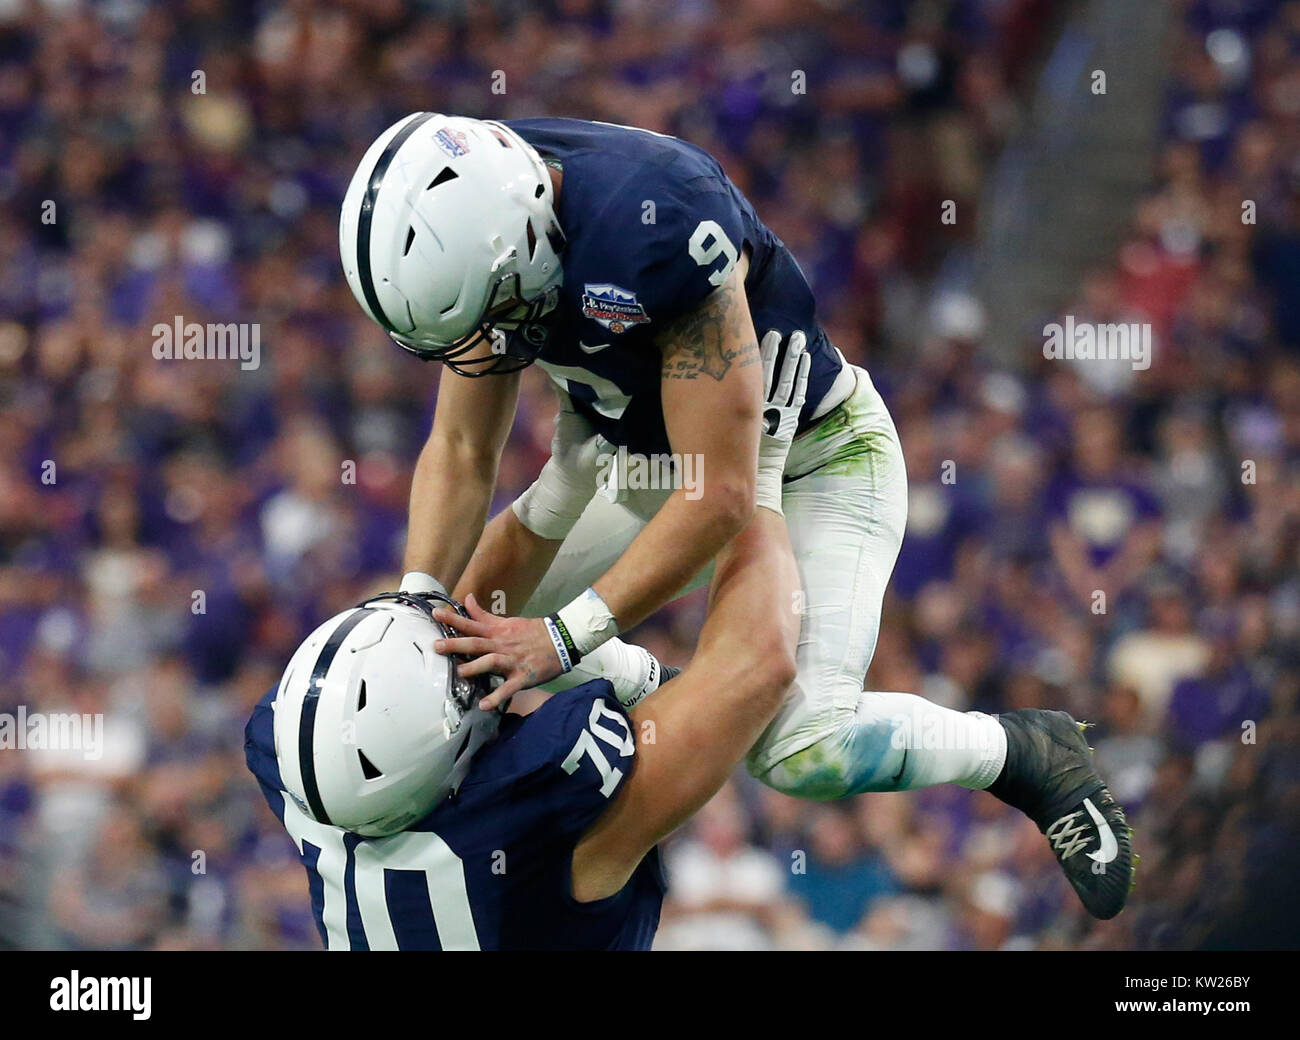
[786, 390]
[518, 649]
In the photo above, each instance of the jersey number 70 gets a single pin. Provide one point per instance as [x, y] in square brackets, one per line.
[420, 851]
[587, 746]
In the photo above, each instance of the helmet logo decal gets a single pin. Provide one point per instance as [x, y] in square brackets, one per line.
[453, 142]
[364, 274]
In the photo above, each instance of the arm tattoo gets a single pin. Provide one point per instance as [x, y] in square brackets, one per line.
[703, 341]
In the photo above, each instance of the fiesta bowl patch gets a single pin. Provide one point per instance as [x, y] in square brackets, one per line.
[453, 142]
[612, 307]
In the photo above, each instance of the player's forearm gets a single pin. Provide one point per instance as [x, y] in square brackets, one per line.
[677, 543]
[712, 394]
[507, 566]
[708, 717]
[451, 492]
[721, 704]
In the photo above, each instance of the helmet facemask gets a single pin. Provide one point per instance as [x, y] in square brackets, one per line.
[518, 330]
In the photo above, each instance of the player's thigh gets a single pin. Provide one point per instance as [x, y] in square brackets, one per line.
[846, 523]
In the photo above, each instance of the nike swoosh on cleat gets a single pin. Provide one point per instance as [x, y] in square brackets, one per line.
[1109, 846]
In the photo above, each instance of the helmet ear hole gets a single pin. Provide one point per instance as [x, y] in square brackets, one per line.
[532, 239]
[368, 769]
[447, 174]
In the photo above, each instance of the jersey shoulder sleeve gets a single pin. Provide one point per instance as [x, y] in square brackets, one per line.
[567, 761]
[259, 752]
[669, 229]
[695, 241]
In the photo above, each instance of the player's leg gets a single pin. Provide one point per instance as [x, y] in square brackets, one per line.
[597, 540]
[846, 509]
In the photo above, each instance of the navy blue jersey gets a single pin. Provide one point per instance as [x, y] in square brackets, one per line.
[653, 226]
[490, 868]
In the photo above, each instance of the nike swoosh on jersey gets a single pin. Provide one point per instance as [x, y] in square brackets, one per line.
[592, 350]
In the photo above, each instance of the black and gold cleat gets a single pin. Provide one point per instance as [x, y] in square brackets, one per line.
[1049, 775]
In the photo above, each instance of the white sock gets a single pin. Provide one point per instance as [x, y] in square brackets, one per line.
[994, 756]
[927, 744]
[894, 742]
[945, 746]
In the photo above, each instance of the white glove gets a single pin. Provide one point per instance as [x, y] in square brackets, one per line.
[557, 498]
[785, 397]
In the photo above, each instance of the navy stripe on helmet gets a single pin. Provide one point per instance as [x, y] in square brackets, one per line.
[310, 702]
[367, 214]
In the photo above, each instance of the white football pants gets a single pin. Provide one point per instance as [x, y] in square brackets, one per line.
[845, 503]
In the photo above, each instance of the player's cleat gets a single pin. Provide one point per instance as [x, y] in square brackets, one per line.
[1050, 776]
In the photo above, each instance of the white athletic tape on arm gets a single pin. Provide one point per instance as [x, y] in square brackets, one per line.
[589, 621]
[768, 487]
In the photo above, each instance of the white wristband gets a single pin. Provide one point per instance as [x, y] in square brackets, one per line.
[589, 621]
[767, 488]
[561, 647]
[632, 670]
[418, 581]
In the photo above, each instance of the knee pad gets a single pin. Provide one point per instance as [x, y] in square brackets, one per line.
[820, 772]
[859, 752]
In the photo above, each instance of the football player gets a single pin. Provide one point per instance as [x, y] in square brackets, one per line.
[428, 822]
[628, 267]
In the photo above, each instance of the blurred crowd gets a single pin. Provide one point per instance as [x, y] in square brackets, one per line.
[169, 530]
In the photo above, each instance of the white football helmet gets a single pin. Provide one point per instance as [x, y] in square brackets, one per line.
[447, 233]
[373, 728]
